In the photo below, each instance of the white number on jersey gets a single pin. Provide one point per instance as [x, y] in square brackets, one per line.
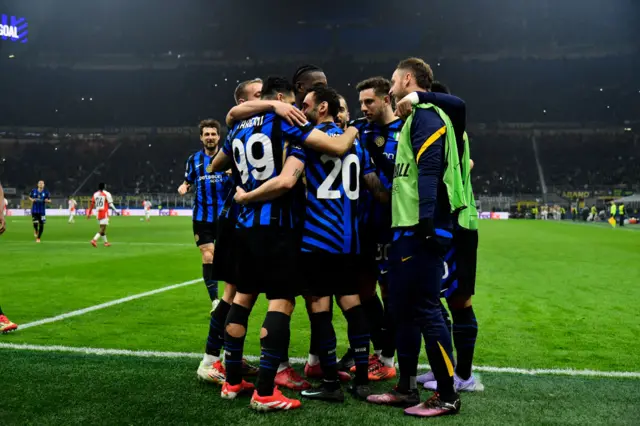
[263, 167]
[325, 192]
[446, 271]
[100, 201]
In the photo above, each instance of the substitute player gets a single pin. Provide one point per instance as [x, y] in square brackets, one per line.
[266, 243]
[427, 194]
[102, 202]
[39, 198]
[146, 205]
[459, 280]
[72, 210]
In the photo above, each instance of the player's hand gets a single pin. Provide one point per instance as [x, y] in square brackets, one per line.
[403, 108]
[183, 189]
[471, 164]
[291, 114]
[3, 225]
[241, 196]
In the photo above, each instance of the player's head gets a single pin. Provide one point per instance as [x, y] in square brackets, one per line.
[374, 98]
[101, 186]
[278, 89]
[209, 133]
[439, 87]
[411, 74]
[322, 103]
[305, 77]
[343, 114]
[248, 90]
[40, 184]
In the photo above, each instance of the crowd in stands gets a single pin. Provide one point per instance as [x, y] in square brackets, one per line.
[505, 163]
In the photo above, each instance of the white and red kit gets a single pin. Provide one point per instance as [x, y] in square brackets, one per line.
[101, 202]
[72, 206]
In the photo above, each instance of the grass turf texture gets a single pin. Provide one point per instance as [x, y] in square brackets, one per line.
[550, 295]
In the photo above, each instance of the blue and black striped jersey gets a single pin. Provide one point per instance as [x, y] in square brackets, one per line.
[212, 188]
[333, 191]
[39, 206]
[259, 147]
[381, 141]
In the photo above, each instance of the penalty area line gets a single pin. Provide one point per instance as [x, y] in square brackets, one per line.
[300, 361]
[106, 305]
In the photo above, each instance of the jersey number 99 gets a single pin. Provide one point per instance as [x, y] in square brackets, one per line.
[263, 166]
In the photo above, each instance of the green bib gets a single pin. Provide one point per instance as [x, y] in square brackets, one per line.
[405, 200]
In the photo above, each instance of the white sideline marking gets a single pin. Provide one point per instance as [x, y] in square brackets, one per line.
[116, 243]
[107, 304]
[299, 361]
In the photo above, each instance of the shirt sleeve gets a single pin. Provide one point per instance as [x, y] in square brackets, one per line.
[296, 150]
[47, 195]
[110, 199]
[189, 173]
[427, 139]
[298, 133]
[367, 165]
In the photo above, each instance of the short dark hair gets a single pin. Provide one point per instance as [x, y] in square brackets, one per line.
[329, 95]
[440, 87]
[304, 69]
[274, 85]
[101, 186]
[421, 71]
[240, 91]
[209, 122]
[380, 85]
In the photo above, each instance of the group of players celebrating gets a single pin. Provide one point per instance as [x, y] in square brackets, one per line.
[300, 201]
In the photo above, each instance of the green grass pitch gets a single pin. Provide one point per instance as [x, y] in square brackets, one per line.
[549, 296]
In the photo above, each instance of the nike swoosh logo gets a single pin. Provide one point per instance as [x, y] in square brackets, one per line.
[383, 272]
[312, 393]
[404, 259]
[198, 165]
[367, 131]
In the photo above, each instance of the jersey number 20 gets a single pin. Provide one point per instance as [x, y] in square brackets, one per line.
[263, 167]
[325, 192]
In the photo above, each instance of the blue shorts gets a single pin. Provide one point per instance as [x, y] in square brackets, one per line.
[415, 276]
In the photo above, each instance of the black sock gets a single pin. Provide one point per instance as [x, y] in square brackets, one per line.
[408, 342]
[313, 345]
[445, 316]
[359, 340]
[215, 340]
[465, 331]
[212, 285]
[388, 332]
[439, 352]
[35, 227]
[274, 346]
[41, 230]
[375, 314]
[325, 337]
[234, 346]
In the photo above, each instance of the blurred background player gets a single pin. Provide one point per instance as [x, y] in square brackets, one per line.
[102, 202]
[39, 198]
[3, 223]
[72, 210]
[146, 205]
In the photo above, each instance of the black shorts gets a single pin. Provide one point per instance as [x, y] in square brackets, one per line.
[367, 263]
[327, 274]
[266, 259]
[224, 262]
[38, 217]
[204, 232]
[459, 278]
